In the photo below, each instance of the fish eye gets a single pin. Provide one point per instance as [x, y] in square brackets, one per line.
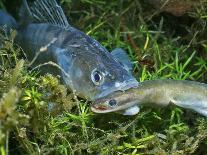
[97, 77]
[112, 103]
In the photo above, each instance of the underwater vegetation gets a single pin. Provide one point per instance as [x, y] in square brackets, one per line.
[39, 115]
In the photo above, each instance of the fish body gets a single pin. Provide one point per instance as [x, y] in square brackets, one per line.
[87, 67]
[156, 93]
[8, 20]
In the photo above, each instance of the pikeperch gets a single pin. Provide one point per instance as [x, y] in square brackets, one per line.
[87, 67]
[183, 93]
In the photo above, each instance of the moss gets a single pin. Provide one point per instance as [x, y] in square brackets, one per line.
[39, 115]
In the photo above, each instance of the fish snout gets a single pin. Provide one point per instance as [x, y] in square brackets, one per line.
[103, 105]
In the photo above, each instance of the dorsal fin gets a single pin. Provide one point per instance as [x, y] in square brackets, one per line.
[25, 14]
[48, 11]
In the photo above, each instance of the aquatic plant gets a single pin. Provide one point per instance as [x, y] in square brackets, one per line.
[39, 115]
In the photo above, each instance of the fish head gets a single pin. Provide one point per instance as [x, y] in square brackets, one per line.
[96, 77]
[93, 72]
[120, 102]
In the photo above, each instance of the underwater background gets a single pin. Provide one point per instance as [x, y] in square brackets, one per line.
[165, 39]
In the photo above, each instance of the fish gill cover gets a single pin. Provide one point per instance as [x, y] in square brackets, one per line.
[38, 115]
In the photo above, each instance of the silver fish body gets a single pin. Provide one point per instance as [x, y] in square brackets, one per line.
[78, 55]
[186, 94]
[87, 67]
[8, 21]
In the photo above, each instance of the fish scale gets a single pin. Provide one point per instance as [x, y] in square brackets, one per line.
[36, 36]
[85, 66]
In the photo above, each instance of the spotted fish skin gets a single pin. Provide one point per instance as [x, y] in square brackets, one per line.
[87, 68]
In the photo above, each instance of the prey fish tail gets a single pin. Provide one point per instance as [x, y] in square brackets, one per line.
[187, 94]
[87, 68]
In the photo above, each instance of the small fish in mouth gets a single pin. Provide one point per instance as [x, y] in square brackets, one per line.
[88, 68]
[187, 94]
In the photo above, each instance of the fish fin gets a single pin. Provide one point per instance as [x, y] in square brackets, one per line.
[130, 111]
[25, 14]
[44, 11]
[48, 11]
[121, 56]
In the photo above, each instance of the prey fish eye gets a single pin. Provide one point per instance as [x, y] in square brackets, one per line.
[112, 103]
[97, 77]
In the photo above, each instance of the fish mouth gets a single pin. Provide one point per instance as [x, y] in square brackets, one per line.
[122, 87]
[101, 109]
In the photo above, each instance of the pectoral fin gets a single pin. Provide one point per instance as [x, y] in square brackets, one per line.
[121, 56]
[130, 111]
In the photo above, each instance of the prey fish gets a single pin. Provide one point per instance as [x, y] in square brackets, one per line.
[87, 68]
[187, 94]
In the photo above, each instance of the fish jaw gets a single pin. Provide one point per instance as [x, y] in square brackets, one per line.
[133, 83]
[105, 109]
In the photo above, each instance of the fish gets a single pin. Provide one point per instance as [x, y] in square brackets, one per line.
[8, 20]
[155, 93]
[85, 66]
